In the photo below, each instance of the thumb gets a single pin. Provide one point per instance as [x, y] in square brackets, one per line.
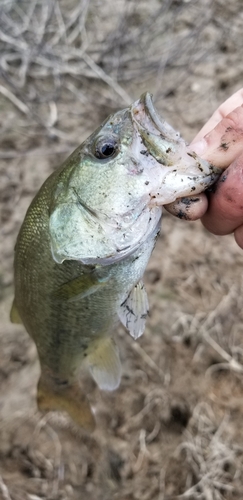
[224, 143]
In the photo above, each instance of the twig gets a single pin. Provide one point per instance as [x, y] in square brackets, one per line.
[36, 152]
[4, 490]
[58, 466]
[19, 104]
[107, 79]
[53, 115]
[149, 361]
[143, 451]
[231, 362]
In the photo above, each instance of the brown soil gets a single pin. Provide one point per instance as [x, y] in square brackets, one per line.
[174, 428]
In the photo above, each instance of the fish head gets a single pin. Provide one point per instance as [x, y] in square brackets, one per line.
[110, 191]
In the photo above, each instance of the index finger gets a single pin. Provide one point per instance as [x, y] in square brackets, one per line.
[229, 105]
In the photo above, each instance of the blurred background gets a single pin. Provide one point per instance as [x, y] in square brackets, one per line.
[174, 428]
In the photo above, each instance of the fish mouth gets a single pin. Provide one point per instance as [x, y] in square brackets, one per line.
[181, 171]
[145, 115]
[151, 112]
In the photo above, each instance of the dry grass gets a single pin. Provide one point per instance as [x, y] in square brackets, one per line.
[216, 331]
[214, 461]
[52, 49]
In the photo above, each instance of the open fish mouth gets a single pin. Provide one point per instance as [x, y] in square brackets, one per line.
[145, 115]
[183, 172]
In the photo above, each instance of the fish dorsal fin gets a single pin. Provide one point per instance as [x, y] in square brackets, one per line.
[104, 364]
[80, 287]
[133, 311]
[14, 314]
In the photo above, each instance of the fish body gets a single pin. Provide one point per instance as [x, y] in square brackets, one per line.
[85, 243]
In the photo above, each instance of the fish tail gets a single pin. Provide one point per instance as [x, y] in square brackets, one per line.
[65, 396]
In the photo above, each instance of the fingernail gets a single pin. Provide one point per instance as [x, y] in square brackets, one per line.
[199, 147]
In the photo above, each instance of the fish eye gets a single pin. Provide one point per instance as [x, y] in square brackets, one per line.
[107, 147]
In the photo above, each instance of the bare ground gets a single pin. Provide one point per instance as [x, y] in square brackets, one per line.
[174, 427]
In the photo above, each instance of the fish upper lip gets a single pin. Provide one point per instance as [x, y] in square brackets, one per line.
[145, 115]
[147, 100]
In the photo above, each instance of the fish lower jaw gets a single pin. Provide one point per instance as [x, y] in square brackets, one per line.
[180, 186]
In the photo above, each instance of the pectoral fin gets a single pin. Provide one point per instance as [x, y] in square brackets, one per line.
[80, 287]
[133, 311]
[104, 364]
[14, 314]
[67, 397]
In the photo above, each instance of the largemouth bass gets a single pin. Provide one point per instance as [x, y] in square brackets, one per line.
[84, 245]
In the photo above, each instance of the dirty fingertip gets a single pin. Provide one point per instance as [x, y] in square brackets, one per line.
[199, 147]
[188, 208]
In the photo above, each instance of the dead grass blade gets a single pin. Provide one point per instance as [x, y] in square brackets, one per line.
[211, 456]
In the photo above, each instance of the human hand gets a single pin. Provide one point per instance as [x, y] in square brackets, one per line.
[220, 141]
